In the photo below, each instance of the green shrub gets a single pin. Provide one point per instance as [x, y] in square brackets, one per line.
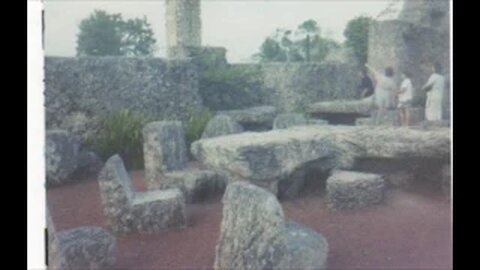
[231, 76]
[121, 133]
[195, 125]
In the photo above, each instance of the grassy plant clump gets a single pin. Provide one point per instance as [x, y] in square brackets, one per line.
[121, 133]
[195, 124]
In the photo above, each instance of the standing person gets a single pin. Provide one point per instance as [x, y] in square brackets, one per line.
[405, 96]
[434, 88]
[366, 85]
[385, 88]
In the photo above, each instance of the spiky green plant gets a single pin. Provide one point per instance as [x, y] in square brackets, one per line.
[121, 133]
[195, 124]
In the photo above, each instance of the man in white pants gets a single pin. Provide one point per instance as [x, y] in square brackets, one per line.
[434, 88]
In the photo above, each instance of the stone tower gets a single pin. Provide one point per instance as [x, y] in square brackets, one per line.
[416, 38]
[183, 27]
[427, 13]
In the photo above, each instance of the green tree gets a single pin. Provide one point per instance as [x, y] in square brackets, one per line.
[356, 34]
[321, 47]
[104, 34]
[303, 44]
[270, 50]
[308, 30]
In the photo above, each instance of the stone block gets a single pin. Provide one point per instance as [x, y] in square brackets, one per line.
[221, 125]
[61, 156]
[164, 148]
[353, 190]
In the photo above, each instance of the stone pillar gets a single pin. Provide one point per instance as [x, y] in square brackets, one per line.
[164, 149]
[183, 27]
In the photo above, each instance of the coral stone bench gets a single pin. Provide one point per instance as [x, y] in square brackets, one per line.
[353, 190]
[341, 111]
[275, 159]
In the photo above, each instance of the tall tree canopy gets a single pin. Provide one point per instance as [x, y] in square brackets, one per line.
[356, 34]
[304, 44]
[103, 34]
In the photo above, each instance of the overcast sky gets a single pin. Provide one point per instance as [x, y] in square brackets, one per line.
[238, 25]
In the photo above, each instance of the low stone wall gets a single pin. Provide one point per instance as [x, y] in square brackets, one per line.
[232, 87]
[79, 91]
[92, 87]
[287, 86]
[293, 86]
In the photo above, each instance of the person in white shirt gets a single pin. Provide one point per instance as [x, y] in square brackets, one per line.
[385, 88]
[405, 96]
[434, 87]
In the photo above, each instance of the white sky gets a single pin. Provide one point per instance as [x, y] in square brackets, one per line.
[238, 25]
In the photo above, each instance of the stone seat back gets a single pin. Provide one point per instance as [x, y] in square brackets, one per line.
[130, 211]
[119, 188]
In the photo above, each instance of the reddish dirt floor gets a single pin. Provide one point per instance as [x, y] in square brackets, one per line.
[410, 230]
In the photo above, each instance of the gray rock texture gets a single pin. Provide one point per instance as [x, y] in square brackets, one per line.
[400, 179]
[307, 248]
[286, 86]
[434, 124]
[364, 121]
[403, 172]
[392, 118]
[269, 158]
[89, 164]
[427, 13]
[84, 248]
[79, 91]
[129, 211]
[320, 122]
[287, 120]
[385, 118]
[254, 234]
[196, 185]
[221, 125]
[362, 107]
[164, 148]
[255, 118]
[291, 86]
[183, 24]
[353, 190]
[61, 156]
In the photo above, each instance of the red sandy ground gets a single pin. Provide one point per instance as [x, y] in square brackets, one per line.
[411, 230]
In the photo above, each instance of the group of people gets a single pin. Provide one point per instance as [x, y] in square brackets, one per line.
[387, 95]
